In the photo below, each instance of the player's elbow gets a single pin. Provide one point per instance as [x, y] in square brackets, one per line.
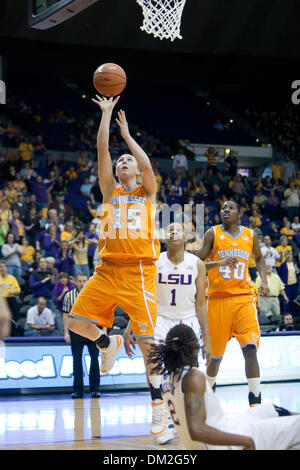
[197, 433]
[146, 169]
[193, 433]
[201, 254]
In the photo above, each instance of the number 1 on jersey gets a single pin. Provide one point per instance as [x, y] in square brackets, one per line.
[173, 292]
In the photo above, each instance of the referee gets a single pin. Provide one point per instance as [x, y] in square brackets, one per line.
[77, 344]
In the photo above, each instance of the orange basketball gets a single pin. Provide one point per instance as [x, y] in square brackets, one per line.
[109, 79]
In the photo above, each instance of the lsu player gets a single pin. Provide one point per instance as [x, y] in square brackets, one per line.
[180, 287]
[231, 294]
[128, 248]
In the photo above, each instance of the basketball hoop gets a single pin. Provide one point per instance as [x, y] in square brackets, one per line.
[162, 18]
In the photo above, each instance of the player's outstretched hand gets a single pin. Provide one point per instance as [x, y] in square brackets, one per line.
[230, 261]
[67, 338]
[129, 345]
[122, 123]
[106, 104]
[250, 445]
[263, 290]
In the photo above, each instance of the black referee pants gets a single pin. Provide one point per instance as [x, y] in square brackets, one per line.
[77, 344]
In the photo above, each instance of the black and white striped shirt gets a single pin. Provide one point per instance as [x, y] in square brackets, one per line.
[69, 300]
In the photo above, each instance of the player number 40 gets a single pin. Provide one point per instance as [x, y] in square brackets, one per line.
[237, 273]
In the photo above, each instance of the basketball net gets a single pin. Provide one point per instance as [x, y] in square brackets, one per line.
[162, 18]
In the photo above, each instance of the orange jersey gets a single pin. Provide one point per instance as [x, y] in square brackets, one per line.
[128, 227]
[225, 280]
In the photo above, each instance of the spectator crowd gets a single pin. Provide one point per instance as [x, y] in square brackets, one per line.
[49, 218]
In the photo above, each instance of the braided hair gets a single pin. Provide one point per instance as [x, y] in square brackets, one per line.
[178, 351]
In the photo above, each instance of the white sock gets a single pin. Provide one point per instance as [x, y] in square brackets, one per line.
[254, 386]
[211, 380]
[155, 380]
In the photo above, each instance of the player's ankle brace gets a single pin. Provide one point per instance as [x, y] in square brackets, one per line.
[103, 341]
[155, 393]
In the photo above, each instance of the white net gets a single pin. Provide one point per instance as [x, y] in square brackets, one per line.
[162, 18]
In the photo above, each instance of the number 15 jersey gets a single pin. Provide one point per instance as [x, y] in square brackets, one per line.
[225, 280]
[128, 232]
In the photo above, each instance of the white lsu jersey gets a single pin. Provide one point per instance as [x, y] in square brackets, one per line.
[176, 287]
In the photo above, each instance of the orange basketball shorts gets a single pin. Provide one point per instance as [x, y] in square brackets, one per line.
[132, 287]
[229, 317]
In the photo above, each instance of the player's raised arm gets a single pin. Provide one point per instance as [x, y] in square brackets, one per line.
[193, 387]
[105, 171]
[201, 310]
[144, 164]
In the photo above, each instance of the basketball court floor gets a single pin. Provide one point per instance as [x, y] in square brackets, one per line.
[113, 422]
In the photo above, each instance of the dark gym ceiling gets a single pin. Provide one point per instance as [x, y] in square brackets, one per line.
[265, 28]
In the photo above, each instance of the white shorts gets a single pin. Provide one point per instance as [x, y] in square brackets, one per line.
[267, 429]
[164, 325]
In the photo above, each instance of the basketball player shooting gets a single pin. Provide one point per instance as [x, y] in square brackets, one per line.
[128, 249]
[231, 296]
[197, 413]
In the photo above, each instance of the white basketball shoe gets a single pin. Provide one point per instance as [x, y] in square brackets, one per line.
[168, 434]
[159, 418]
[109, 354]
